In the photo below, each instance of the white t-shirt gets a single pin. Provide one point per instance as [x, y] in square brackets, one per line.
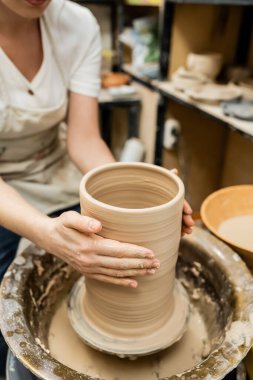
[29, 159]
[75, 40]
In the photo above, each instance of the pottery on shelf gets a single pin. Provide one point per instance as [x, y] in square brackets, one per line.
[183, 79]
[238, 108]
[114, 79]
[214, 93]
[122, 92]
[208, 64]
[141, 204]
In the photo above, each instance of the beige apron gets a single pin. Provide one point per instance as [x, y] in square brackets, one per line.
[33, 157]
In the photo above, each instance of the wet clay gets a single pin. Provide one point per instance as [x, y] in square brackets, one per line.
[140, 204]
[216, 280]
[123, 345]
[66, 346]
[239, 231]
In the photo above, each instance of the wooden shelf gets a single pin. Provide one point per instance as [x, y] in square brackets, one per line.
[106, 99]
[214, 112]
[136, 75]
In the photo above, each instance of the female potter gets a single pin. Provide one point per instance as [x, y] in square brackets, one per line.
[49, 63]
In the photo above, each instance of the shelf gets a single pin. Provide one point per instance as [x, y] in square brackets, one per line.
[147, 82]
[221, 2]
[105, 99]
[214, 112]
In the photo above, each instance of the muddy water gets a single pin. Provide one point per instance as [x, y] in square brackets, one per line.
[66, 346]
[239, 231]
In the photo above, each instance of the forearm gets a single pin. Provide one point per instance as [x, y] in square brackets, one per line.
[72, 237]
[88, 153]
[19, 216]
[85, 146]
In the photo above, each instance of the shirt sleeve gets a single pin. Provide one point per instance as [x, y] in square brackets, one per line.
[85, 73]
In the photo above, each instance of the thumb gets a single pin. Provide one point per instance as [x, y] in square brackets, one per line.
[174, 171]
[81, 223]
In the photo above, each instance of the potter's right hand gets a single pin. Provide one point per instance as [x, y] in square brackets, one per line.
[73, 238]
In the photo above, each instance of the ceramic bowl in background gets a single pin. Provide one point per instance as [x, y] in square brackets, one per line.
[239, 108]
[114, 79]
[121, 92]
[208, 63]
[183, 79]
[213, 93]
[224, 204]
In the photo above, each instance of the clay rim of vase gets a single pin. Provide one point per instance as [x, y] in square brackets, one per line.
[139, 165]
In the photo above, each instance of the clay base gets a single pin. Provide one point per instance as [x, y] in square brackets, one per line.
[170, 332]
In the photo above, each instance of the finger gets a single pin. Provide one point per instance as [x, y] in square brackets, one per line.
[81, 223]
[127, 282]
[120, 273]
[186, 230]
[125, 264]
[187, 208]
[188, 221]
[174, 171]
[113, 248]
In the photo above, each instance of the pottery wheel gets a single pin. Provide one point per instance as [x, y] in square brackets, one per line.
[158, 340]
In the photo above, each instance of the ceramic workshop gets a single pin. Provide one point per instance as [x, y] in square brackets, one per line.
[126, 187]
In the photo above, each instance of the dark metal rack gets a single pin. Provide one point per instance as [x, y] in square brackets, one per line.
[166, 22]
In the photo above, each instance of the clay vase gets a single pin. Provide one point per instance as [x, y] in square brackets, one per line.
[141, 204]
[208, 64]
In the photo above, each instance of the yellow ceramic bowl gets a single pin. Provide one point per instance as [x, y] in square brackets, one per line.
[225, 204]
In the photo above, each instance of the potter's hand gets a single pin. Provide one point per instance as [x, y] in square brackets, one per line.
[72, 237]
[187, 221]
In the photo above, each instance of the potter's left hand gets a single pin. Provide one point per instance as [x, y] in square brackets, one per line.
[187, 221]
